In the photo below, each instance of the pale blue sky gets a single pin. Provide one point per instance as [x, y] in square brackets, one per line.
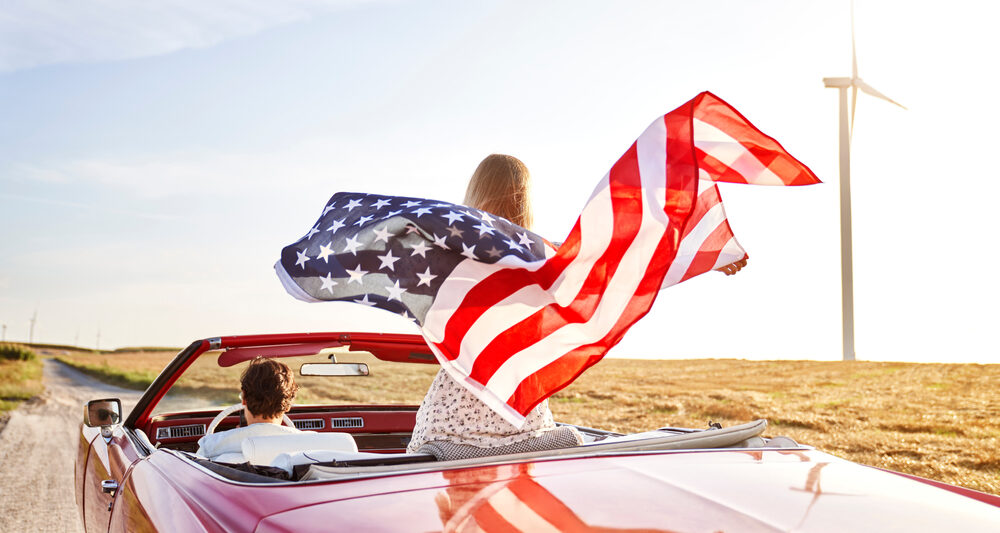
[155, 159]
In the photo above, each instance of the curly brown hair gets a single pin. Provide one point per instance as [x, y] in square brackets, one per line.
[268, 387]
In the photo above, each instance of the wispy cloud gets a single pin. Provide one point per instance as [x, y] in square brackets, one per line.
[81, 205]
[42, 32]
[321, 165]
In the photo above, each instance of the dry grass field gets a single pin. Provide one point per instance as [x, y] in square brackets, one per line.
[20, 377]
[940, 421]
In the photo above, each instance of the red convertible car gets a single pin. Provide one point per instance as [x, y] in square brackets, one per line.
[347, 471]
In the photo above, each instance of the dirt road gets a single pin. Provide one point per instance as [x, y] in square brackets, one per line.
[38, 449]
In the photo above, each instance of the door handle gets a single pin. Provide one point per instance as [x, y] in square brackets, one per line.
[110, 486]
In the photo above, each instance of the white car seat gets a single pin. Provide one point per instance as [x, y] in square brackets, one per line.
[263, 449]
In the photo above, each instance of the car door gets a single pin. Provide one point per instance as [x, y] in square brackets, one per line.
[107, 459]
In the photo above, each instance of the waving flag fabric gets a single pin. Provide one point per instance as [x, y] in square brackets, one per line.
[508, 316]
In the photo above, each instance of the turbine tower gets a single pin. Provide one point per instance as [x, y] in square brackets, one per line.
[31, 331]
[846, 130]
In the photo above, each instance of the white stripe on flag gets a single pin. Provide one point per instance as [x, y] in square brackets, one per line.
[730, 253]
[689, 246]
[731, 153]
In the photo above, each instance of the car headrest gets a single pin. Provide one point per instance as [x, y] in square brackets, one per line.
[263, 449]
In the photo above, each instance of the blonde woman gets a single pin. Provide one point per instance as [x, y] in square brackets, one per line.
[451, 422]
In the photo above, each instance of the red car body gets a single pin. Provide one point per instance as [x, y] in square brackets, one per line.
[727, 489]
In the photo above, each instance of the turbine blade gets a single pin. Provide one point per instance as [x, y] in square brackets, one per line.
[854, 55]
[868, 89]
[854, 106]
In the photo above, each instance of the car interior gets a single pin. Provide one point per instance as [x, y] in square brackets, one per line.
[343, 433]
[348, 441]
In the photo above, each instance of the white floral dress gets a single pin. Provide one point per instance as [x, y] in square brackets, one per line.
[451, 413]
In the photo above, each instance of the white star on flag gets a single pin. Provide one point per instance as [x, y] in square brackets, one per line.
[469, 252]
[382, 235]
[380, 204]
[483, 228]
[395, 291]
[302, 258]
[420, 249]
[453, 217]
[352, 204]
[352, 246]
[387, 260]
[356, 275]
[325, 251]
[426, 277]
[337, 224]
[328, 282]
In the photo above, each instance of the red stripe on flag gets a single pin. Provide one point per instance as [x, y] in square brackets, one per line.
[709, 251]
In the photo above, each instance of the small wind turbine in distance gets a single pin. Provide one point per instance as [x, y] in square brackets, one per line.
[846, 129]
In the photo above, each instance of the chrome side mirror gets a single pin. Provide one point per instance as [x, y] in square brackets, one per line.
[103, 413]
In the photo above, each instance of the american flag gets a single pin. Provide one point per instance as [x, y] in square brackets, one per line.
[508, 316]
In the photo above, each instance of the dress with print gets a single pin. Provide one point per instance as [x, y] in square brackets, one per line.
[451, 413]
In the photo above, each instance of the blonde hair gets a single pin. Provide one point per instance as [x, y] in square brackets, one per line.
[500, 185]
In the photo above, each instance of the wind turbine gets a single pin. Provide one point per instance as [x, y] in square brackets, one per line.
[846, 130]
[31, 331]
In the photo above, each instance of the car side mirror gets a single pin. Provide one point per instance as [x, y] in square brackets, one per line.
[103, 413]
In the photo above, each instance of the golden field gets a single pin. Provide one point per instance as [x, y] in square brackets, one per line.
[940, 421]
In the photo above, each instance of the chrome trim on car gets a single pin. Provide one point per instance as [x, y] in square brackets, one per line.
[347, 422]
[109, 486]
[177, 432]
[309, 423]
[214, 343]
